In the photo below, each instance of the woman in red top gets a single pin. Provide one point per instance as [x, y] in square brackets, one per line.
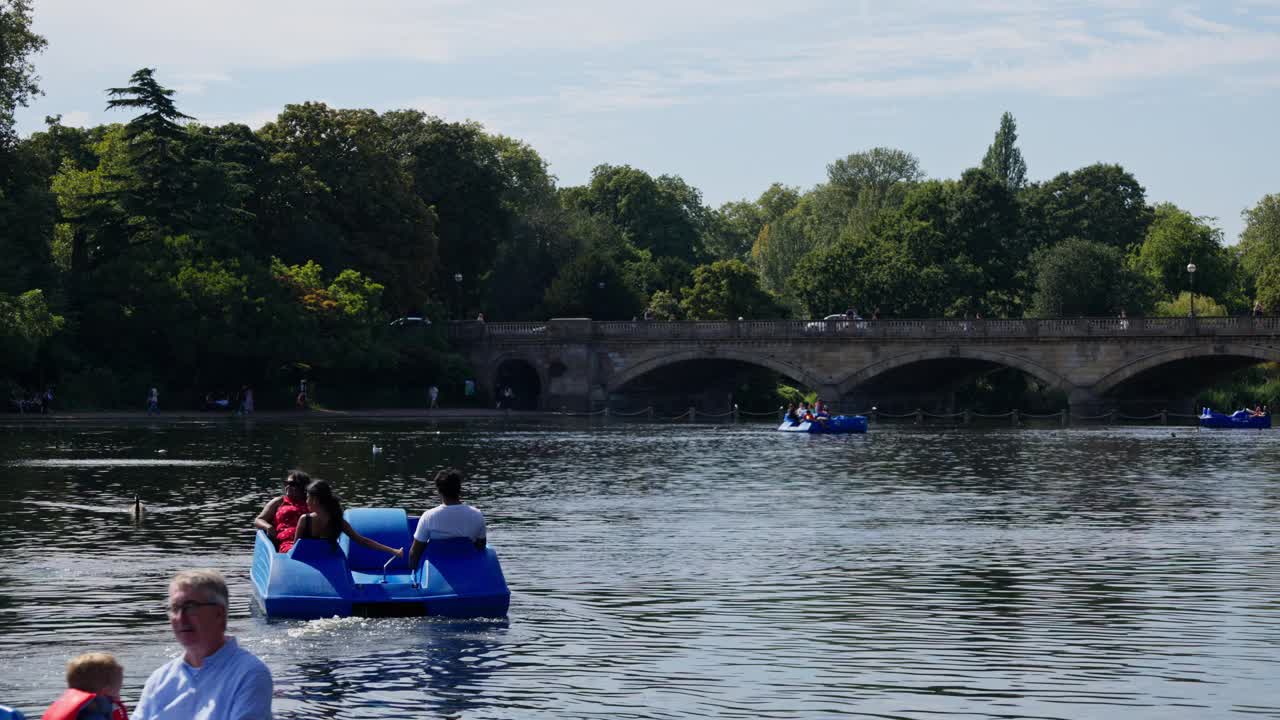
[279, 518]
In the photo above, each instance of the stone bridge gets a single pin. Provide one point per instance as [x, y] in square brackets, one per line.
[1096, 363]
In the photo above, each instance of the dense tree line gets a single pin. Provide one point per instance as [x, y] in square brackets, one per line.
[157, 250]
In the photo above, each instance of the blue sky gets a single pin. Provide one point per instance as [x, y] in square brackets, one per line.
[732, 96]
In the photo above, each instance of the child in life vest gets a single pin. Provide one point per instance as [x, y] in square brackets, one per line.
[93, 690]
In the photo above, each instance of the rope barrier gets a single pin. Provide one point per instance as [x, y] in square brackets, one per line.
[1035, 416]
[993, 417]
[1091, 417]
[876, 414]
[637, 413]
[942, 416]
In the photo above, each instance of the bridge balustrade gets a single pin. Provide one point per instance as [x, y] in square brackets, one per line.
[579, 329]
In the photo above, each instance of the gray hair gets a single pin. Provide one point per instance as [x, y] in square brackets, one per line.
[208, 580]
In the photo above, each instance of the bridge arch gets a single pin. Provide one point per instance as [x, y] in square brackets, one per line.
[648, 365]
[501, 365]
[1190, 352]
[1050, 378]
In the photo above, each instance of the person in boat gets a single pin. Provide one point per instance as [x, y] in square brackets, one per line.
[1257, 411]
[94, 681]
[792, 416]
[214, 677]
[450, 519]
[820, 411]
[279, 517]
[805, 412]
[325, 520]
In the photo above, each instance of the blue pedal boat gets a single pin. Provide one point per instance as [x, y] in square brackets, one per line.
[319, 579]
[1240, 419]
[838, 425]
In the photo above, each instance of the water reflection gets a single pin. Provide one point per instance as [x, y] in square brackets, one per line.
[691, 571]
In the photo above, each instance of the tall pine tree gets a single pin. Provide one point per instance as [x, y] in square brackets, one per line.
[156, 149]
[1003, 158]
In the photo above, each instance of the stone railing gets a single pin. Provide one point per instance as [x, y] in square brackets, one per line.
[584, 329]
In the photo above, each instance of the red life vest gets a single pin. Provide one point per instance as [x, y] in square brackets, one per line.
[72, 701]
[287, 516]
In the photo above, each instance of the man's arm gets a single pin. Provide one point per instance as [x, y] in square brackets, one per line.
[252, 699]
[415, 552]
[266, 519]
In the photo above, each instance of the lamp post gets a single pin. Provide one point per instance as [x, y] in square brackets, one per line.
[457, 280]
[1191, 272]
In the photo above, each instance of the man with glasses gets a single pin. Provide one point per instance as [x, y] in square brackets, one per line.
[215, 679]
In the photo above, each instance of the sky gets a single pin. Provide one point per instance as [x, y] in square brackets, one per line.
[731, 96]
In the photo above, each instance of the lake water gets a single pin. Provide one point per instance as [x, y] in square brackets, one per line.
[675, 571]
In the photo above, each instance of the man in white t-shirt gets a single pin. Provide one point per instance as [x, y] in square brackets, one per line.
[450, 519]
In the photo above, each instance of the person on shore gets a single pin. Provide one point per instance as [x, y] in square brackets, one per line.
[279, 517]
[325, 521]
[153, 401]
[246, 400]
[1257, 308]
[94, 681]
[450, 519]
[215, 678]
[433, 394]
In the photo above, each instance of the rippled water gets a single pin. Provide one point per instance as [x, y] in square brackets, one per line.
[704, 571]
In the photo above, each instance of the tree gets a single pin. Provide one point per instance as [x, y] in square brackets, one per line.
[663, 307]
[159, 184]
[1085, 277]
[870, 182]
[663, 215]
[337, 195]
[1175, 238]
[726, 290]
[900, 270]
[18, 79]
[1260, 239]
[592, 286]
[26, 324]
[1003, 159]
[1101, 203]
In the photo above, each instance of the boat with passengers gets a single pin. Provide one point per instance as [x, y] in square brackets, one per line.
[1240, 420]
[321, 578]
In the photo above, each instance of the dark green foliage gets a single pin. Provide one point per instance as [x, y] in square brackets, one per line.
[592, 286]
[1087, 278]
[18, 79]
[1102, 203]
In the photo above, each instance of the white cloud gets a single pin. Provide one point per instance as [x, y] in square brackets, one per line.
[1187, 18]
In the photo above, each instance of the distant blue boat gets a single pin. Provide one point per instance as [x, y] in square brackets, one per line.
[838, 425]
[1240, 419]
[318, 578]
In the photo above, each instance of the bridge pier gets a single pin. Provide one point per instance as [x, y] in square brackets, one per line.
[1083, 401]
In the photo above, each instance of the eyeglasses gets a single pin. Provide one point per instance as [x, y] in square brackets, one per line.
[188, 607]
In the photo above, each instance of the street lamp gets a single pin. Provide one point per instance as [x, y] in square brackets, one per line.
[457, 279]
[1191, 272]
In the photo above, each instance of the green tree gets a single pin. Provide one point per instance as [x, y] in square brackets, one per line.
[726, 290]
[664, 307]
[18, 79]
[736, 225]
[663, 215]
[1101, 203]
[338, 196]
[1088, 278]
[1175, 238]
[1180, 306]
[26, 325]
[592, 286]
[159, 185]
[1003, 159]
[870, 182]
[1260, 239]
